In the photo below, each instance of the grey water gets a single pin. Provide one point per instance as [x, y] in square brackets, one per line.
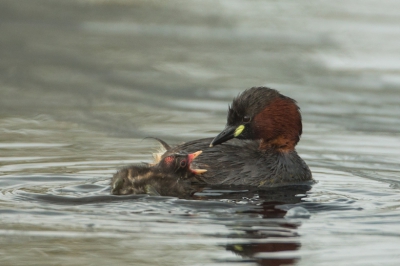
[83, 82]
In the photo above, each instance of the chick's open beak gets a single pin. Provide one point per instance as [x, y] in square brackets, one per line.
[193, 156]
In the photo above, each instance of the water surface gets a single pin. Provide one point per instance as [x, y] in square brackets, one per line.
[83, 82]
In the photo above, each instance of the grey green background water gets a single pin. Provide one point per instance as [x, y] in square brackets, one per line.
[82, 82]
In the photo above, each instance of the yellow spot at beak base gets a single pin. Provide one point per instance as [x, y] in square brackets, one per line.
[238, 131]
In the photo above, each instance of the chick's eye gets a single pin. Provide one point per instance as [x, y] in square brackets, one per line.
[246, 119]
[183, 163]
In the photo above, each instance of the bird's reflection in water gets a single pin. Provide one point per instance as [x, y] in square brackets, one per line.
[263, 241]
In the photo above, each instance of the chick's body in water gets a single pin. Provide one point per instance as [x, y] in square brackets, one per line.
[169, 177]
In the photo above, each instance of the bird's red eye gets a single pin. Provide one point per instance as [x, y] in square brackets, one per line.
[246, 119]
[183, 163]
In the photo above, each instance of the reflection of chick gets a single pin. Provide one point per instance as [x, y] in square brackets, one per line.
[169, 177]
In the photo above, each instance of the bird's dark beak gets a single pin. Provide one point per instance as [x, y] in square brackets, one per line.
[228, 133]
